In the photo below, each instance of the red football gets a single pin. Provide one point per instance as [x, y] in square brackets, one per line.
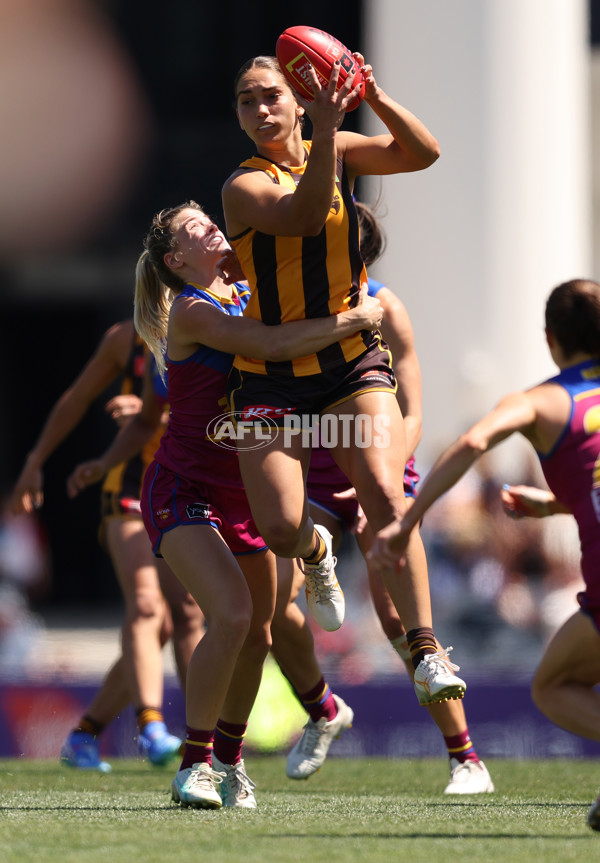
[298, 47]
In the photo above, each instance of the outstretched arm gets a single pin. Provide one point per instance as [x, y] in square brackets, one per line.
[515, 412]
[397, 331]
[107, 363]
[129, 441]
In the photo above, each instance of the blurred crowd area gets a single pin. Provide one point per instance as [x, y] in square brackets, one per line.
[25, 582]
[499, 589]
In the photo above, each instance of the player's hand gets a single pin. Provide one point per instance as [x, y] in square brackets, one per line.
[229, 268]
[371, 87]
[86, 473]
[360, 522]
[122, 407]
[328, 107]
[520, 501]
[388, 551]
[28, 494]
[371, 309]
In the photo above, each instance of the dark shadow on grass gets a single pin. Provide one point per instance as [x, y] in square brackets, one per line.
[486, 804]
[442, 836]
[95, 809]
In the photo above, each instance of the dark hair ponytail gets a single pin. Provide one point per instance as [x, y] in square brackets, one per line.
[372, 237]
[573, 317]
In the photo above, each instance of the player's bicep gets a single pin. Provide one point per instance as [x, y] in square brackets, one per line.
[100, 372]
[197, 322]
[365, 155]
[107, 362]
[514, 413]
[253, 200]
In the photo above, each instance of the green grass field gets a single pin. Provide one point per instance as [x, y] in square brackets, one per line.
[371, 810]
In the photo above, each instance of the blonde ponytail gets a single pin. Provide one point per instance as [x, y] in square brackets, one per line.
[156, 285]
[151, 307]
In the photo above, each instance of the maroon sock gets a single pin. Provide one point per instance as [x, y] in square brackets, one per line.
[319, 702]
[460, 746]
[198, 747]
[421, 641]
[229, 739]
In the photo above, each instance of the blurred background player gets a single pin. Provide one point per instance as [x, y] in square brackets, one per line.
[25, 579]
[137, 676]
[559, 417]
[333, 503]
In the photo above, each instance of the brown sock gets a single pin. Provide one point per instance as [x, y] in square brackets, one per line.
[318, 552]
[421, 641]
[90, 726]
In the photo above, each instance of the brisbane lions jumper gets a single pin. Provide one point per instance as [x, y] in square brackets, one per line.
[293, 278]
[194, 480]
[572, 471]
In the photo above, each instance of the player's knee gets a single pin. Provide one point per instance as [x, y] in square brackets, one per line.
[258, 644]
[541, 691]
[166, 630]
[233, 627]
[282, 537]
[146, 605]
[186, 614]
[383, 500]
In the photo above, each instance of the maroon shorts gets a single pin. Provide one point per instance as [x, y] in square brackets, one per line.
[411, 478]
[345, 510]
[169, 500]
[592, 610]
[326, 479]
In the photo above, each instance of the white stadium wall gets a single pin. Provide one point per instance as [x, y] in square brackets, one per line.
[476, 242]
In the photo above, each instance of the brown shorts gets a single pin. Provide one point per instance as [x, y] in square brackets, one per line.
[252, 395]
[114, 505]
